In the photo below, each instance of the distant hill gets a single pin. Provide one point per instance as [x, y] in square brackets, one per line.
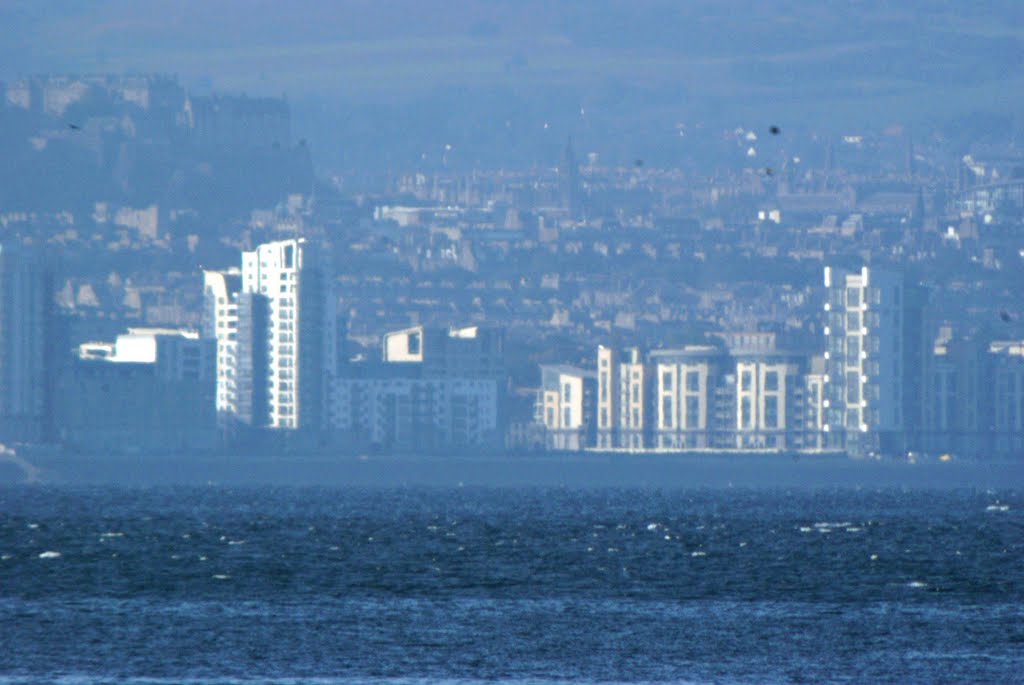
[632, 68]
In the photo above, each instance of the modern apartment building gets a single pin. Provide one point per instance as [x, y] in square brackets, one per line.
[1007, 377]
[25, 317]
[873, 360]
[467, 352]
[770, 396]
[393, 410]
[688, 412]
[624, 386]
[436, 389]
[275, 325]
[152, 390]
[220, 322]
[565, 406]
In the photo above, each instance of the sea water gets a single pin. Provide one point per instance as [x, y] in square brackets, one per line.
[545, 585]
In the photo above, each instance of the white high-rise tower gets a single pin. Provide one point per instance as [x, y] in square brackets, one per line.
[300, 331]
[220, 323]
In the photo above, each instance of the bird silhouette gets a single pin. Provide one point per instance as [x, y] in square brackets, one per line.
[74, 127]
[774, 130]
[1005, 316]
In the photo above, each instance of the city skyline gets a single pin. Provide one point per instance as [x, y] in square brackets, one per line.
[511, 342]
[203, 214]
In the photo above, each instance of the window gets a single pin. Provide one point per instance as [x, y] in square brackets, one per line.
[771, 412]
[853, 297]
[604, 417]
[567, 392]
[693, 381]
[852, 387]
[413, 343]
[852, 321]
[550, 418]
[771, 381]
[604, 386]
[852, 351]
[746, 381]
[636, 392]
[746, 415]
[666, 380]
[666, 412]
[636, 418]
[567, 418]
[692, 412]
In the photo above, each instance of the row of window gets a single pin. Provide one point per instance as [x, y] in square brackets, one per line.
[691, 383]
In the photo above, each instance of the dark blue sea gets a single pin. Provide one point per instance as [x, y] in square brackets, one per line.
[535, 585]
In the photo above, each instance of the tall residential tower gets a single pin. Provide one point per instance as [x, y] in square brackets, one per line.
[275, 325]
[873, 357]
[24, 322]
[301, 351]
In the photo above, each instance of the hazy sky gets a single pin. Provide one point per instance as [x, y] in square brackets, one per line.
[628, 65]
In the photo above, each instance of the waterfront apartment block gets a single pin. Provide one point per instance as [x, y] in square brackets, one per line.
[467, 352]
[873, 329]
[623, 399]
[874, 388]
[565, 407]
[688, 408]
[770, 397]
[399, 412]
[151, 390]
[1007, 377]
[439, 390]
[25, 302]
[220, 322]
[301, 330]
[275, 325]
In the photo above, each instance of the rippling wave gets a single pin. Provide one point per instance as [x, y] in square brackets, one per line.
[218, 585]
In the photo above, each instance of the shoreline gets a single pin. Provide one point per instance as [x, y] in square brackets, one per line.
[545, 470]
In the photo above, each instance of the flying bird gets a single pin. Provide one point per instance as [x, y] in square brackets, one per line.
[74, 127]
[638, 163]
[775, 130]
[1005, 316]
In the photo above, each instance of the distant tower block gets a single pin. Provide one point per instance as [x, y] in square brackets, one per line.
[569, 180]
[24, 320]
[300, 333]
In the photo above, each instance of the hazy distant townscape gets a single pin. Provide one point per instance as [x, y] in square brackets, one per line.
[605, 238]
[511, 341]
